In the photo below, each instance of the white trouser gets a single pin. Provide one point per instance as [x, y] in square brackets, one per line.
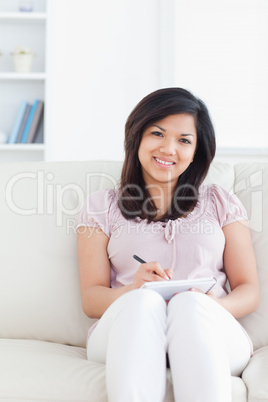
[204, 342]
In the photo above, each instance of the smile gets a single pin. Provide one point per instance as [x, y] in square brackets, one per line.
[165, 163]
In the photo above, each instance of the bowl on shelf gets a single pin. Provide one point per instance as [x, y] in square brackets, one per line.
[22, 59]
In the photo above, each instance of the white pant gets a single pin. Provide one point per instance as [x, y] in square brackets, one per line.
[204, 342]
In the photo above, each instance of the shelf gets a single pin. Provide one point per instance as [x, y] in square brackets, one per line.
[22, 147]
[23, 17]
[26, 29]
[23, 77]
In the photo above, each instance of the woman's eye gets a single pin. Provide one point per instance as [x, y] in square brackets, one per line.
[185, 141]
[157, 133]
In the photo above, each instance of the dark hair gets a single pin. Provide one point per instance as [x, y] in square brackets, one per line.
[152, 108]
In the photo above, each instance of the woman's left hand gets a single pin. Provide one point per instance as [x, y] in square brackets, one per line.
[210, 294]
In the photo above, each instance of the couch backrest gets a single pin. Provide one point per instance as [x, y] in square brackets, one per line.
[251, 186]
[39, 280]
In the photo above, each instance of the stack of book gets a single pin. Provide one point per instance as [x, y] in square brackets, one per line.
[27, 123]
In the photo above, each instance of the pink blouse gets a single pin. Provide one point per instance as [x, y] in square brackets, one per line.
[192, 246]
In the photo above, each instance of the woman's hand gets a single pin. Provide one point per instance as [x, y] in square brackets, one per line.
[150, 271]
[210, 294]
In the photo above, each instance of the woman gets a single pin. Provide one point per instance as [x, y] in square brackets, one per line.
[183, 229]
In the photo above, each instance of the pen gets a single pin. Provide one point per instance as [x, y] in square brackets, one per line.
[139, 259]
[144, 262]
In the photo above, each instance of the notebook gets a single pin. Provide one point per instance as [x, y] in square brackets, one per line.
[167, 289]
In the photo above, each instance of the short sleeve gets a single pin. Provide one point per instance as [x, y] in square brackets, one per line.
[227, 206]
[96, 211]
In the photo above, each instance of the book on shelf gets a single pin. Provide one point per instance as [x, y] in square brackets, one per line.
[17, 124]
[36, 122]
[29, 122]
[23, 124]
[26, 128]
[39, 137]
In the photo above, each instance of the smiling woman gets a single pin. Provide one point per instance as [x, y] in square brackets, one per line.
[165, 154]
[169, 144]
[167, 150]
[185, 229]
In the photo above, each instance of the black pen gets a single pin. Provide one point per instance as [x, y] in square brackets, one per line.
[144, 262]
[139, 259]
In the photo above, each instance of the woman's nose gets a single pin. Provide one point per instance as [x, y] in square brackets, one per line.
[168, 148]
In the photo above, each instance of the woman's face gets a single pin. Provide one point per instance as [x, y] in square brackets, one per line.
[166, 150]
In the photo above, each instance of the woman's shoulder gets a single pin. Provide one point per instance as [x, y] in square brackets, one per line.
[213, 190]
[102, 198]
[216, 193]
[223, 204]
[98, 210]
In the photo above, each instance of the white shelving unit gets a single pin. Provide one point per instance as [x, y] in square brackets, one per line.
[22, 29]
[33, 16]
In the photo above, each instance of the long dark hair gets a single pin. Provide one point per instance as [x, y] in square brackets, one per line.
[134, 195]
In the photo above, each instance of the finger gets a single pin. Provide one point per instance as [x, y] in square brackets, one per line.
[146, 274]
[169, 272]
[196, 290]
[158, 270]
[150, 277]
[211, 293]
[156, 277]
[155, 269]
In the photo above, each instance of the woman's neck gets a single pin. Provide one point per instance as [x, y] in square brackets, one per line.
[162, 197]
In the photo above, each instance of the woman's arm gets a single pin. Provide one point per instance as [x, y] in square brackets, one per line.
[240, 268]
[95, 271]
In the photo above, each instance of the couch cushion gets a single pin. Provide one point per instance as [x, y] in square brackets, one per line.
[255, 376]
[45, 371]
[239, 390]
[251, 186]
[222, 174]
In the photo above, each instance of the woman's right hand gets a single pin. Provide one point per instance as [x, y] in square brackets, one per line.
[150, 271]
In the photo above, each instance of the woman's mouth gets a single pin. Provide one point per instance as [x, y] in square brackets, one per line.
[163, 162]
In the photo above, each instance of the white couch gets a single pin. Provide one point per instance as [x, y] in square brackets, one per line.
[42, 326]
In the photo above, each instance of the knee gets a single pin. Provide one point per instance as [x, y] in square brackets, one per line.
[141, 302]
[145, 300]
[188, 303]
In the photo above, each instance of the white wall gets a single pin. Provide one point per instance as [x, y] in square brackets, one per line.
[222, 56]
[104, 56]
